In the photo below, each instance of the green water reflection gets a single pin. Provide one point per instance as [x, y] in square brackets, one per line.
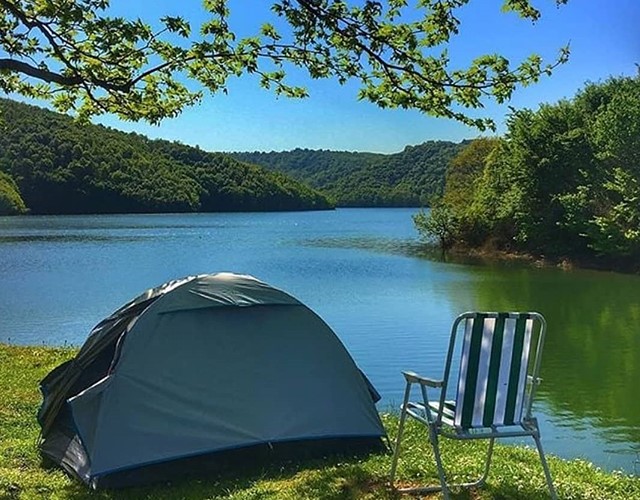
[591, 361]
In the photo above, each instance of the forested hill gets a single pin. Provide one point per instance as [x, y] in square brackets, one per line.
[408, 178]
[563, 182]
[59, 166]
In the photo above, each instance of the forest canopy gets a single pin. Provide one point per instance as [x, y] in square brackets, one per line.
[564, 181]
[11, 203]
[410, 178]
[51, 164]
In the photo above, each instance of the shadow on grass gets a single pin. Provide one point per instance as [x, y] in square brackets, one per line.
[332, 477]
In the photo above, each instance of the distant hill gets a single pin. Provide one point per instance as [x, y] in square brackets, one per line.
[408, 178]
[60, 166]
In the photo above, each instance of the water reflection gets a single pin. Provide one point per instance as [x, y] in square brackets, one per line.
[68, 238]
[369, 243]
[591, 361]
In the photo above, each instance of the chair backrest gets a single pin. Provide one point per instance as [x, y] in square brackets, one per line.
[499, 367]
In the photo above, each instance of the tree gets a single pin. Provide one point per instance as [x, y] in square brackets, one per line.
[439, 223]
[465, 171]
[11, 202]
[72, 53]
[464, 177]
[564, 181]
[613, 124]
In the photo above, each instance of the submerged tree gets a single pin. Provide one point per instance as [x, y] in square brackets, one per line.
[72, 53]
[439, 223]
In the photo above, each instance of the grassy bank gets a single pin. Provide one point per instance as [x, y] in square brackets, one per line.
[516, 472]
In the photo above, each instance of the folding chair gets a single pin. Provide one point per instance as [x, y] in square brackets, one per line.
[497, 378]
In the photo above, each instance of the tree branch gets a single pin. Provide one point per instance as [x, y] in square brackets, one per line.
[77, 78]
[39, 73]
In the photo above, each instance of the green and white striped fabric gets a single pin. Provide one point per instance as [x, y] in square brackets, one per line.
[493, 370]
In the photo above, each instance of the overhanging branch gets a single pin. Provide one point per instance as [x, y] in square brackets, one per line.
[39, 73]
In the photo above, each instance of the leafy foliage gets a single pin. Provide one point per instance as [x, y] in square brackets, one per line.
[409, 178]
[11, 202]
[564, 181]
[465, 171]
[463, 178]
[439, 223]
[74, 54]
[62, 166]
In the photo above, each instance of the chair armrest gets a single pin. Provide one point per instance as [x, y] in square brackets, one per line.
[412, 377]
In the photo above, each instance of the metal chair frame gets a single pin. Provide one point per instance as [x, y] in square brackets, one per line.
[431, 414]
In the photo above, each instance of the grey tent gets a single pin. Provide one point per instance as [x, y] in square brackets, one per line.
[202, 371]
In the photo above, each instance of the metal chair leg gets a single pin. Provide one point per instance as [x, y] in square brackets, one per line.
[487, 465]
[444, 487]
[433, 435]
[545, 467]
[415, 490]
[403, 418]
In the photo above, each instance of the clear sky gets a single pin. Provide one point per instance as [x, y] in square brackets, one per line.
[604, 36]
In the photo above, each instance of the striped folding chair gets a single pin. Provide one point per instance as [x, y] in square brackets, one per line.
[497, 378]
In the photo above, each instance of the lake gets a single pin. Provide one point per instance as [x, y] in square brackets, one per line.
[358, 269]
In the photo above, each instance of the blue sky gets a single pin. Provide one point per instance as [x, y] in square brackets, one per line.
[604, 36]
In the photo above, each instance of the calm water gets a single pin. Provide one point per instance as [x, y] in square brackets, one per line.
[356, 268]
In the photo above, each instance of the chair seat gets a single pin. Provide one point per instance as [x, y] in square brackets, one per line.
[417, 410]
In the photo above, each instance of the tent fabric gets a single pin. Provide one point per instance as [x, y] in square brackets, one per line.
[86, 368]
[199, 366]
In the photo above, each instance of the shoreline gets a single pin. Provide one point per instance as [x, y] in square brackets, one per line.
[487, 255]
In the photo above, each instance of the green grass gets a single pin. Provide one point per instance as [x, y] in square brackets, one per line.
[515, 473]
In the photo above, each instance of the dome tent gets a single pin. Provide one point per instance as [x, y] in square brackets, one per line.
[196, 371]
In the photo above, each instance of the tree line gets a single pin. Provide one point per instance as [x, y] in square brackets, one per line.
[564, 181]
[51, 164]
[410, 178]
